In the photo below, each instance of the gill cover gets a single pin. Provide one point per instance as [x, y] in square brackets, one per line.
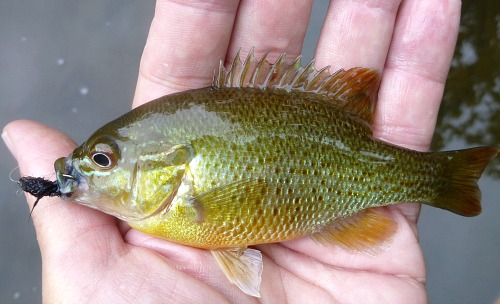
[122, 178]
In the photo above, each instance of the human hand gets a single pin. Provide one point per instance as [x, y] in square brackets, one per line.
[90, 256]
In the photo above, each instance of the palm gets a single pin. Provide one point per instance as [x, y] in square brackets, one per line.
[110, 257]
[95, 257]
[327, 273]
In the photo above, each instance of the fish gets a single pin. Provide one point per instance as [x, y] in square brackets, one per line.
[270, 152]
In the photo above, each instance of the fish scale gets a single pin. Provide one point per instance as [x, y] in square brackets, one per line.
[346, 191]
[268, 153]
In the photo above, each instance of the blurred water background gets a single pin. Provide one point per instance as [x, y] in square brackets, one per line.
[73, 66]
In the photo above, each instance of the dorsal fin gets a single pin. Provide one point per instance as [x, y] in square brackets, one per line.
[355, 90]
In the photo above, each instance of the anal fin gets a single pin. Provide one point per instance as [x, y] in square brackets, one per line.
[242, 267]
[363, 231]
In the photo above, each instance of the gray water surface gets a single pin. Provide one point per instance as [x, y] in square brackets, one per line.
[73, 66]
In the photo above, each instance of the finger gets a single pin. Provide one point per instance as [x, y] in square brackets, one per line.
[185, 44]
[356, 34]
[58, 224]
[82, 248]
[399, 255]
[196, 262]
[270, 26]
[310, 271]
[415, 72]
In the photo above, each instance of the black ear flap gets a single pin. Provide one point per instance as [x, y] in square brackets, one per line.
[179, 155]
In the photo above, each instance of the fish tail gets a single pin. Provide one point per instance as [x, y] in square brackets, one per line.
[462, 195]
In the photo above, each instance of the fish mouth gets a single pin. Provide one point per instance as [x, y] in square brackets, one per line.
[67, 178]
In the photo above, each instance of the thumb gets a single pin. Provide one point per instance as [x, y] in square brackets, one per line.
[35, 148]
[58, 224]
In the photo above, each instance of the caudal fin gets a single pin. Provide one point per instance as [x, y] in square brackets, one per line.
[462, 196]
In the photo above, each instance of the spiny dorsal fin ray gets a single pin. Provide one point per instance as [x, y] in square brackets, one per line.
[355, 90]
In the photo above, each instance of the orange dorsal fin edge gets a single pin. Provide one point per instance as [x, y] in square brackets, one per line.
[354, 89]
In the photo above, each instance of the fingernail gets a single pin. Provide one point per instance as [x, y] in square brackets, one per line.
[8, 142]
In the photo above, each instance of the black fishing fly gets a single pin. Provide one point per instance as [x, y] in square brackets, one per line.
[38, 187]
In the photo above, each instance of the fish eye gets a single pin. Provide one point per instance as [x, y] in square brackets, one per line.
[105, 155]
[102, 160]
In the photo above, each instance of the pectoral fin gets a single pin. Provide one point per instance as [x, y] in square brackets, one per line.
[242, 267]
[231, 196]
[363, 231]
